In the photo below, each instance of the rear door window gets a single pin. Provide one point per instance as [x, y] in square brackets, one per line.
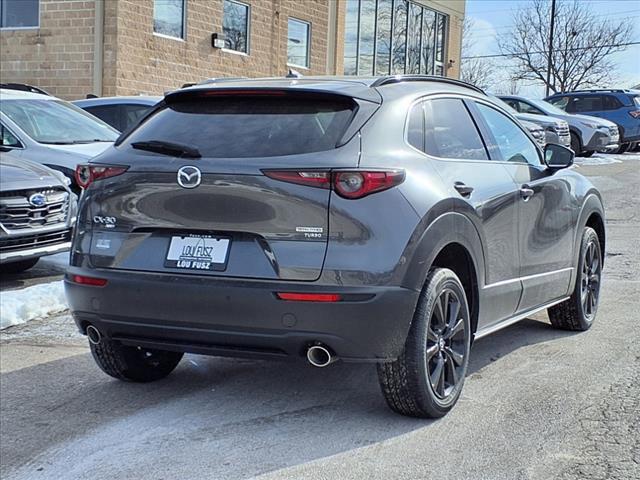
[131, 113]
[450, 131]
[589, 103]
[107, 113]
[250, 126]
[560, 102]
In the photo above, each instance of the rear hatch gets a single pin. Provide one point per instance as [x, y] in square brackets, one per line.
[227, 218]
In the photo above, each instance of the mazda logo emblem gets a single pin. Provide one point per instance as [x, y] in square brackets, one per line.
[189, 177]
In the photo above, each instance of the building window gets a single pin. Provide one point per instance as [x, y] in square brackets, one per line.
[19, 13]
[169, 18]
[298, 43]
[393, 36]
[235, 26]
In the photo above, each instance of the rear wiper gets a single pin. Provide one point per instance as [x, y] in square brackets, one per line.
[168, 148]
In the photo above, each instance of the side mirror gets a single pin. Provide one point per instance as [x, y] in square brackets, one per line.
[558, 156]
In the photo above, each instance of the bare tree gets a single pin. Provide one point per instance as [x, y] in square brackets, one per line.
[477, 71]
[582, 45]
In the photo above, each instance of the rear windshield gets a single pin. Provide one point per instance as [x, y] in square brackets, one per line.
[250, 126]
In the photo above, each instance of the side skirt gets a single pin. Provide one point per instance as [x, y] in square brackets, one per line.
[510, 321]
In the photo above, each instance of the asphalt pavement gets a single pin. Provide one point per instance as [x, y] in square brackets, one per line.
[538, 403]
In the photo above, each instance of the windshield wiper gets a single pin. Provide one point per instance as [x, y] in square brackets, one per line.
[168, 148]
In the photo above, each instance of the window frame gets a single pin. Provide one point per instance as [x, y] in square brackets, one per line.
[308, 50]
[183, 38]
[31, 27]
[248, 27]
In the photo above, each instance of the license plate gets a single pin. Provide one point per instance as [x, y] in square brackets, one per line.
[198, 252]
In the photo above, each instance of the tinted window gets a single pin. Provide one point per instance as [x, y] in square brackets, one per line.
[589, 103]
[415, 127]
[242, 127]
[235, 26]
[131, 113]
[298, 43]
[367, 33]
[19, 13]
[399, 36]
[383, 37]
[450, 131]
[611, 103]
[413, 39]
[107, 113]
[513, 144]
[55, 121]
[168, 17]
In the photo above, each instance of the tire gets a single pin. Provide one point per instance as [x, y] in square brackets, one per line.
[579, 311]
[576, 144]
[622, 148]
[133, 364]
[407, 382]
[20, 266]
[587, 153]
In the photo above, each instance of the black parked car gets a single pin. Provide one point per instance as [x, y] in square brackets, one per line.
[388, 220]
[121, 113]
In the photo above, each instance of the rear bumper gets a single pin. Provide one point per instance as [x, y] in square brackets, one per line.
[241, 318]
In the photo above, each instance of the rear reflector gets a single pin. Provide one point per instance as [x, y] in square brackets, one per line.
[90, 281]
[309, 297]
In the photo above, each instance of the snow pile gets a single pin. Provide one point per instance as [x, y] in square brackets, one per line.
[20, 306]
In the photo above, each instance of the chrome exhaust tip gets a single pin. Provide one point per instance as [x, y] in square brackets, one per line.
[320, 356]
[93, 334]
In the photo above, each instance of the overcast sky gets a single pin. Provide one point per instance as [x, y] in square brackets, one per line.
[494, 17]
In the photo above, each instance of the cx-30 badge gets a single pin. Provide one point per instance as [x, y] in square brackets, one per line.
[189, 177]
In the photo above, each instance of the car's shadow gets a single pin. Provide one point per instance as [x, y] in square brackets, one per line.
[241, 418]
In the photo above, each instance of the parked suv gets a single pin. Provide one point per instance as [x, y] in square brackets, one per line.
[388, 220]
[37, 212]
[588, 134]
[50, 131]
[621, 107]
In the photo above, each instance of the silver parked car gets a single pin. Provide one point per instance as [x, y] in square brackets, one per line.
[588, 134]
[121, 113]
[51, 131]
[37, 212]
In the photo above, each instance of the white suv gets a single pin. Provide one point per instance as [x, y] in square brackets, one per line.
[51, 131]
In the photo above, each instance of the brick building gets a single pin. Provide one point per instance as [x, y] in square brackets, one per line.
[125, 47]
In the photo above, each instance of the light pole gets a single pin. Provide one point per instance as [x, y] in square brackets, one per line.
[553, 17]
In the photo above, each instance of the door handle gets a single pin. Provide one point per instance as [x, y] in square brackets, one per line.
[463, 189]
[526, 193]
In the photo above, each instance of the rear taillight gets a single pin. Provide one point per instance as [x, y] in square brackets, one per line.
[349, 184]
[87, 174]
[89, 281]
[635, 113]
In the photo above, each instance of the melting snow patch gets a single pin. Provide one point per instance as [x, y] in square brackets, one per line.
[20, 306]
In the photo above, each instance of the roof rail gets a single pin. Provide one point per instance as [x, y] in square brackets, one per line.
[617, 90]
[23, 87]
[389, 79]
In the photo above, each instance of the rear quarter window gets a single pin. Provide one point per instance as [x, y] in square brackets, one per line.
[250, 126]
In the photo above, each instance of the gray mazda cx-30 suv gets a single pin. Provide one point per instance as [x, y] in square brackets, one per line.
[388, 220]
